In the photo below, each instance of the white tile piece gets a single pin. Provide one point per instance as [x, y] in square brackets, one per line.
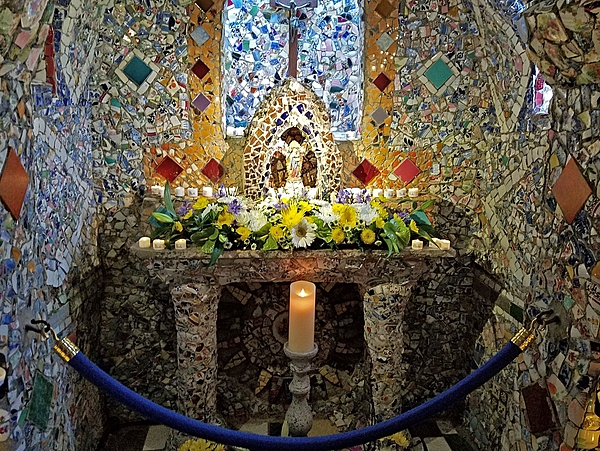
[436, 444]
[156, 438]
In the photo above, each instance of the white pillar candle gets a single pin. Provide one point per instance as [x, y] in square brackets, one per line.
[417, 245]
[180, 191]
[158, 245]
[413, 192]
[401, 192]
[193, 192]
[377, 192]
[180, 244]
[144, 242]
[207, 191]
[301, 336]
[444, 244]
[388, 193]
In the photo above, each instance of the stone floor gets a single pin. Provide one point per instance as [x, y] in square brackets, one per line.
[434, 435]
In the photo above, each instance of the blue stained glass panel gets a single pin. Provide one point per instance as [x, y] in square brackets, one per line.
[330, 59]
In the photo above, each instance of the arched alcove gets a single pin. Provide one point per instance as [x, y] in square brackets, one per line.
[291, 105]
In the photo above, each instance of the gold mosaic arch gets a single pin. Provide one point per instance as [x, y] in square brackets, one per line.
[290, 105]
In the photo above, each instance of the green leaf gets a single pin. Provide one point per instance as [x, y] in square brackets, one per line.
[264, 230]
[390, 246]
[425, 205]
[202, 235]
[162, 230]
[163, 217]
[213, 236]
[420, 218]
[270, 244]
[223, 238]
[208, 247]
[216, 253]
[168, 201]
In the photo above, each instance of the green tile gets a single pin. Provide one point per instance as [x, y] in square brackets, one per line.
[137, 71]
[438, 73]
[516, 312]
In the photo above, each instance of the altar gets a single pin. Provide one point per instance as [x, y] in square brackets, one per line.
[385, 285]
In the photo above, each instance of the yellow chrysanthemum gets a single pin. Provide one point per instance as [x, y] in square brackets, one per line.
[347, 215]
[413, 226]
[338, 235]
[243, 232]
[305, 205]
[400, 439]
[189, 214]
[291, 216]
[225, 219]
[367, 236]
[276, 232]
[177, 227]
[201, 203]
[379, 222]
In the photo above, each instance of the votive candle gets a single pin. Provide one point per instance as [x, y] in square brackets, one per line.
[158, 245]
[301, 336]
[388, 193]
[377, 192]
[207, 191]
[193, 192]
[161, 191]
[444, 244]
[180, 191]
[401, 192]
[155, 189]
[413, 192]
[144, 242]
[180, 244]
[417, 245]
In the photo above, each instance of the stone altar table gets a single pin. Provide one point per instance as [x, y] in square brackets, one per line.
[384, 283]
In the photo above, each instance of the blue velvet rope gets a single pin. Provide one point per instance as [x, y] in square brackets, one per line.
[257, 442]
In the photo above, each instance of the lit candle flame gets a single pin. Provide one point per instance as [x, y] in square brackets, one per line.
[303, 293]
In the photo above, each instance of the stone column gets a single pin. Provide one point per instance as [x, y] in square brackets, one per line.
[384, 312]
[196, 322]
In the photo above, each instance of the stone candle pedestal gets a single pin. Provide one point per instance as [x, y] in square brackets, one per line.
[299, 415]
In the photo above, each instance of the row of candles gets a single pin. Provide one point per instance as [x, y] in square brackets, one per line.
[181, 244]
[207, 191]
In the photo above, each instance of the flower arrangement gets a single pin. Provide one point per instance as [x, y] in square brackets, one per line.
[272, 223]
[200, 445]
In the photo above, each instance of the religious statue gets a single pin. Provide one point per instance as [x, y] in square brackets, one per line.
[294, 161]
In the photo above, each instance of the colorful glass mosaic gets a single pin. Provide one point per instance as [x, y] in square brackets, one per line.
[255, 59]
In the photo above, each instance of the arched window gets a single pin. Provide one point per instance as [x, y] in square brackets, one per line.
[329, 59]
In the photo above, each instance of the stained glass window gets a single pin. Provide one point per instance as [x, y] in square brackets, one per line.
[330, 59]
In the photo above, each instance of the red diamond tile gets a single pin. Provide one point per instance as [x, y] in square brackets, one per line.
[571, 190]
[407, 171]
[382, 81]
[13, 184]
[169, 168]
[365, 172]
[200, 69]
[213, 170]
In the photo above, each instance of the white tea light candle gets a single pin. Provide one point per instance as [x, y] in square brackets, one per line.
[417, 245]
[180, 191]
[388, 193]
[161, 191]
[207, 191]
[377, 192]
[413, 192]
[301, 337]
[444, 244]
[401, 192]
[193, 192]
[155, 189]
[158, 245]
[144, 242]
[180, 244]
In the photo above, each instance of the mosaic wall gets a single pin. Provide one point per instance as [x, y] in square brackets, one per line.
[49, 262]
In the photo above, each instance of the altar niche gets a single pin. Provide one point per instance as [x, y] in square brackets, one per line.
[293, 164]
[253, 371]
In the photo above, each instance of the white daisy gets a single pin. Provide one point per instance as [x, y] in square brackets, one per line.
[366, 213]
[303, 233]
[326, 214]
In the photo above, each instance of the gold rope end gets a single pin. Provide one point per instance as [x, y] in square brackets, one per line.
[523, 338]
[66, 349]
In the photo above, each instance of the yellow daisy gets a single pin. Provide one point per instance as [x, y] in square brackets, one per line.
[367, 236]
[201, 203]
[347, 215]
[243, 232]
[338, 235]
